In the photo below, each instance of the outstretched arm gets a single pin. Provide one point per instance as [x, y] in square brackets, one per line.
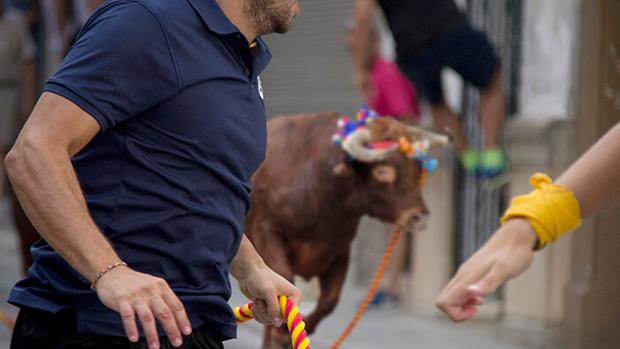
[594, 181]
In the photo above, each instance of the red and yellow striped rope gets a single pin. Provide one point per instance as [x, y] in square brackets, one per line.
[294, 321]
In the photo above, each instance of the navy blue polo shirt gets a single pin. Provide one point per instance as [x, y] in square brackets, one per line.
[174, 86]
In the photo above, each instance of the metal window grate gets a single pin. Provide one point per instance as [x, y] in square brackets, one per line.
[481, 202]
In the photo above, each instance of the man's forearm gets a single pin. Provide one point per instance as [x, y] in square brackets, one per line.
[363, 41]
[246, 259]
[47, 187]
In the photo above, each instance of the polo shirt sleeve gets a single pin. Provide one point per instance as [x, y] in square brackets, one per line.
[120, 65]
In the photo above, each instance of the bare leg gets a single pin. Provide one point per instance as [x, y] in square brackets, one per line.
[446, 120]
[492, 110]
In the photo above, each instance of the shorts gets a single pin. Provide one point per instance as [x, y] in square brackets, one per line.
[44, 330]
[464, 49]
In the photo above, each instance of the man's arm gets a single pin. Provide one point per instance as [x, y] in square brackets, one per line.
[39, 167]
[594, 181]
[261, 284]
[362, 44]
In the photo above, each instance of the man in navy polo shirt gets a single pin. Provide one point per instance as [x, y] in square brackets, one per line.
[141, 151]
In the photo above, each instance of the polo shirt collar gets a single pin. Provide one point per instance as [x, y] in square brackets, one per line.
[213, 16]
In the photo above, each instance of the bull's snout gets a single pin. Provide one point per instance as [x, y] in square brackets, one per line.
[414, 219]
[419, 221]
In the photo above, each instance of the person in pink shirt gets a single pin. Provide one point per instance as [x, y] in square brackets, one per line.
[393, 94]
[387, 90]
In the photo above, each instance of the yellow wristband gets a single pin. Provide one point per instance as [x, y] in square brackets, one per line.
[551, 209]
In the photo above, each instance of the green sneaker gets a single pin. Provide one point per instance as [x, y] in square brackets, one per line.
[492, 162]
[469, 160]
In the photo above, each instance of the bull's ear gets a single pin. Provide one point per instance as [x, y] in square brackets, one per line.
[343, 169]
[384, 174]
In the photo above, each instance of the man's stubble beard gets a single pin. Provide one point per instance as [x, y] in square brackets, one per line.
[269, 16]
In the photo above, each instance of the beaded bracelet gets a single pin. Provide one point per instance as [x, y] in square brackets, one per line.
[105, 271]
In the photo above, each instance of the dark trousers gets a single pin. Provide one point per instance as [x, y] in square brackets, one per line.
[36, 329]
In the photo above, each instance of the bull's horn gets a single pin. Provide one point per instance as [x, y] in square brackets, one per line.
[435, 139]
[355, 146]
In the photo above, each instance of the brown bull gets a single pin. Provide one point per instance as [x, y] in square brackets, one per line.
[308, 199]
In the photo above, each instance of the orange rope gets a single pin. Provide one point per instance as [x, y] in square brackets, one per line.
[7, 320]
[372, 291]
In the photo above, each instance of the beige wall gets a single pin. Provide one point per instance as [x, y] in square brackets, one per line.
[593, 297]
[433, 248]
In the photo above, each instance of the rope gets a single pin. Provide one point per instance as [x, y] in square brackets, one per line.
[372, 291]
[7, 320]
[294, 321]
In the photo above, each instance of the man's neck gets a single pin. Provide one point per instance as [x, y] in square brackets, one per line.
[233, 9]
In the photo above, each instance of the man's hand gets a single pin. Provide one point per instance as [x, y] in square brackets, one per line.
[507, 254]
[263, 286]
[131, 293]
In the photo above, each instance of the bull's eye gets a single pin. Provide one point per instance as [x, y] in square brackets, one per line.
[384, 174]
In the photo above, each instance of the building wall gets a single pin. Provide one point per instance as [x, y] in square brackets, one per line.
[593, 305]
[310, 67]
[549, 30]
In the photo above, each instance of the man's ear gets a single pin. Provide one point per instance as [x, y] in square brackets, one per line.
[343, 169]
[384, 174]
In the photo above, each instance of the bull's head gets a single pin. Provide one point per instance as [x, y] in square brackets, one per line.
[386, 172]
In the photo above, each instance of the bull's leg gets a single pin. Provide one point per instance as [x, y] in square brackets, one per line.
[273, 251]
[331, 283]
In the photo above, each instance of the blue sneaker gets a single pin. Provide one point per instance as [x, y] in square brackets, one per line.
[384, 300]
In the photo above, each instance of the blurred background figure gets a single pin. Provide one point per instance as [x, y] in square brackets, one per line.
[385, 89]
[17, 77]
[34, 37]
[62, 19]
[431, 35]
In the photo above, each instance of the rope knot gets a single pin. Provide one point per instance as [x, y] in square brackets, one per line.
[541, 181]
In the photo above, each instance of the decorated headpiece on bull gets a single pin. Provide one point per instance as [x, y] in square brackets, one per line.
[356, 138]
